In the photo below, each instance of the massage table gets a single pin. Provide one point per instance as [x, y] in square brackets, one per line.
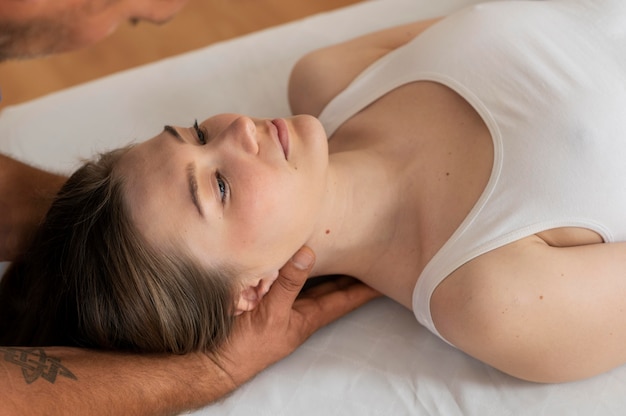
[376, 361]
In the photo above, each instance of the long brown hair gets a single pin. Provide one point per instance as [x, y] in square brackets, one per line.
[90, 279]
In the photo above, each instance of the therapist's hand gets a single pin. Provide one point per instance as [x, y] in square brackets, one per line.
[25, 196]
[284, 319]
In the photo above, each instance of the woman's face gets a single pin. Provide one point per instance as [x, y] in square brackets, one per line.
[235, 191]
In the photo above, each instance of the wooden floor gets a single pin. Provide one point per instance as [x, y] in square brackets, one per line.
[200, 23]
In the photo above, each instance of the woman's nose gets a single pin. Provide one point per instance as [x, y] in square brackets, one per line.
[244, 132]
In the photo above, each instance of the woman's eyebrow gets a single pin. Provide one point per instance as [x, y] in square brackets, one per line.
[193, 187]
[171, 130]
[191, 172]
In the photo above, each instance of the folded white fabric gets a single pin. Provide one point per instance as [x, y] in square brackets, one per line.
[376, 361]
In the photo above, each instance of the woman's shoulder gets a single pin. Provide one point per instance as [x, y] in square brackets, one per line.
[322, 74]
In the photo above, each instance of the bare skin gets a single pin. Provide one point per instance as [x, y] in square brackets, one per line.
[30, 29]
[27, 193]
[69, 381]
[37, 28]
[547, 308]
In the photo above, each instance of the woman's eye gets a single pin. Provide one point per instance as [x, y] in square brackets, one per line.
[200, 133]
[222, 186]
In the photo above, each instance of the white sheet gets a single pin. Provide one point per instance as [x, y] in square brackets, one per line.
[376, 361]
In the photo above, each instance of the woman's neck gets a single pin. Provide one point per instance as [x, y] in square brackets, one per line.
[360, 218]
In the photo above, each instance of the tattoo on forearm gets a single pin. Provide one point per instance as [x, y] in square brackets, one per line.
[36, 364]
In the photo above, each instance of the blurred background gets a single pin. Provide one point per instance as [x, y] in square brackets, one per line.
[200, 23]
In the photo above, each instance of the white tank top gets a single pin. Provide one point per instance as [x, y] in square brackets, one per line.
[549, 80]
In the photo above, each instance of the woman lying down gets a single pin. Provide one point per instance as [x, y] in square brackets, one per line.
[470, 168]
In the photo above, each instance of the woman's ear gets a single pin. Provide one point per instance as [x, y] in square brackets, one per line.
[251, 294]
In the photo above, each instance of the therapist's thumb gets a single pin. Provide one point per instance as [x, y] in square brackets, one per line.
[303, 259]
[293, 275]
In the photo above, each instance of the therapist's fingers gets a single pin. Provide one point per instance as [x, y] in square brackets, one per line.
[329, 301]
[306, 312]
[283, 320]
[290, 280]
[271, 331]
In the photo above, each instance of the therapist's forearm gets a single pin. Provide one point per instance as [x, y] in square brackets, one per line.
[71, 381]
[26, 193]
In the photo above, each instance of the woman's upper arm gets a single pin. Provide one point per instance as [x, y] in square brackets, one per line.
[322, 74]
[538, 312]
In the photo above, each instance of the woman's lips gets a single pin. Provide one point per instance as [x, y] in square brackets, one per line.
[283, 135]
